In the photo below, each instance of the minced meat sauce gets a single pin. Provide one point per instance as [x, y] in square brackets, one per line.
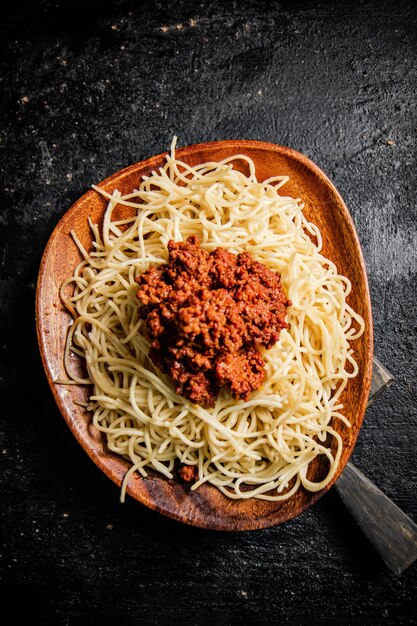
[207, 313]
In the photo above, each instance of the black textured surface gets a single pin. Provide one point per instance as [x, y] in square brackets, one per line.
[89, 88]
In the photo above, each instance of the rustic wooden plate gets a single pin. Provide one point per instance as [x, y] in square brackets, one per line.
[207, 507]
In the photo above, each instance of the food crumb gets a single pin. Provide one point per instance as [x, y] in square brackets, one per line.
[188, 473]
[109, 527]
[390, 142]
[66, 514]
[165, 29]
[114, 27]
[24, 100]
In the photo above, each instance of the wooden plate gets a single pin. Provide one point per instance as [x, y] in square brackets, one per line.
[206, 507]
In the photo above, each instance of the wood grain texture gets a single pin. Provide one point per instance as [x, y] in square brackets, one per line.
[392, 532]
[206, 507]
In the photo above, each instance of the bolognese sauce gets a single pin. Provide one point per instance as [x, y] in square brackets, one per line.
[207, 314]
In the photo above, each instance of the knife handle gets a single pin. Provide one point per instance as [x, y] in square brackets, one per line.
[392, 532]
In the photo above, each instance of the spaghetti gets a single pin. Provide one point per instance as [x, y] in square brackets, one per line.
[262, 447]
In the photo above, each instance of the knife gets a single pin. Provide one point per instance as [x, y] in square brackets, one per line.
[392, 533]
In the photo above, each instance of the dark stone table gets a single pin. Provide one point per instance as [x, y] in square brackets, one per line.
[91, 87]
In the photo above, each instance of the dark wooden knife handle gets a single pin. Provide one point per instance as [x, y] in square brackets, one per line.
[390, 530]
